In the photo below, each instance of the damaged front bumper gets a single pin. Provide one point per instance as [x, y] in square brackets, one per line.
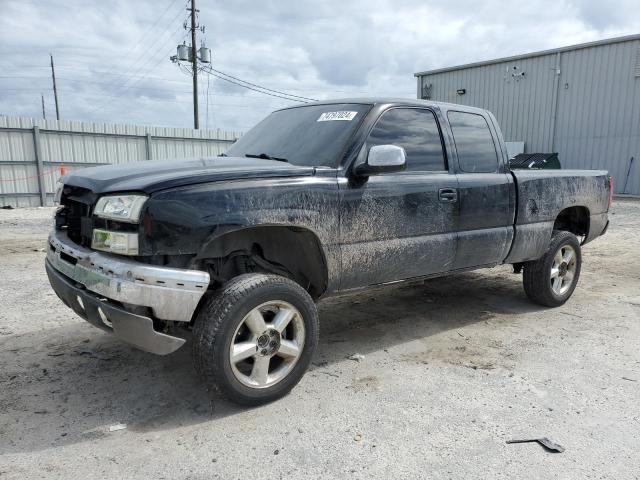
[99, 287]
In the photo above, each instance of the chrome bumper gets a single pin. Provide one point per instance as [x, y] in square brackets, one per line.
[171, 293]
[134, 329]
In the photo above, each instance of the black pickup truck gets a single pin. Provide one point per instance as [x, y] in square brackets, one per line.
[316, 199]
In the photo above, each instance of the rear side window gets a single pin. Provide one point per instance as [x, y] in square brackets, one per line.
[474, 144]
[417, 132]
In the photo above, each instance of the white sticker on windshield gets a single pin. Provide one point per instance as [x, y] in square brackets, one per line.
[330, 116]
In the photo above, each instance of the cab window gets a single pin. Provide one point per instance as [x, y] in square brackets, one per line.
[414, 129]
[474, 143]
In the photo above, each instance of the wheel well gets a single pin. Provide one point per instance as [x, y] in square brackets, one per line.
[574, 220]
[292, 252]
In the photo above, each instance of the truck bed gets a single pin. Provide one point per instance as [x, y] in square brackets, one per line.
[541, 195]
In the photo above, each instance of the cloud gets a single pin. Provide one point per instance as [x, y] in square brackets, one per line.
[604, 15]
[113, 57]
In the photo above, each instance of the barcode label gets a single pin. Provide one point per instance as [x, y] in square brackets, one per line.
[331, 116]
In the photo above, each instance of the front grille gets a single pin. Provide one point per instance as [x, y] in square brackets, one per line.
[75, 215]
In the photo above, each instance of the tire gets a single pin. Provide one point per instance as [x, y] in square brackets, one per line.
[546, 280]
[284, 341]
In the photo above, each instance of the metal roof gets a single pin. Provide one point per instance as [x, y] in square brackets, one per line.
[540, 53]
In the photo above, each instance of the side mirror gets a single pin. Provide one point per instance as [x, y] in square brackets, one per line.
[382, 159]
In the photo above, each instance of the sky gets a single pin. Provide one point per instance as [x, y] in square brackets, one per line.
[112, 56]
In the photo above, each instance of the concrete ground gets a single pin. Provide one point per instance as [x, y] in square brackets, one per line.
[452, 369]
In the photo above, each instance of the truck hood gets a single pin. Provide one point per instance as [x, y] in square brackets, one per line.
[153, 175]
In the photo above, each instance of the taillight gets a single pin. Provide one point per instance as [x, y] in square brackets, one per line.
[610, 191]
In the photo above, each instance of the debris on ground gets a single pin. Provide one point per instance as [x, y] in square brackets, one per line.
[92, 354]
[544, 441]
[478, 366]
[6, 207]
[629, 379]
[118, 426]
[356, 357]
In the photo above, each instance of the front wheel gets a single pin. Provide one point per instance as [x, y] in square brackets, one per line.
[551, 279]
[254, 338]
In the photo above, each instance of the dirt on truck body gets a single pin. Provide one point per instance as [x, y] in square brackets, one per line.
[316, 200]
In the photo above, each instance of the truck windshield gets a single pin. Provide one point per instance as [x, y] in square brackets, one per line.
[309, 135]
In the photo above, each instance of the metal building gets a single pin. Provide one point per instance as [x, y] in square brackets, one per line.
[582, 101]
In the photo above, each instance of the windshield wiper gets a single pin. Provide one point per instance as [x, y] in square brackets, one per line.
[264, 156]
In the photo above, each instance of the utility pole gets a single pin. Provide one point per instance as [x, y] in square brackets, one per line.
[194, 63]
[44, 114]
[191, 54]
[55, 90]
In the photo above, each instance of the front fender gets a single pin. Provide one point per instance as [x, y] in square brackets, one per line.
[183, 221]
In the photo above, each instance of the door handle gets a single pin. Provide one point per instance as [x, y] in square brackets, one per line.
[448, 195]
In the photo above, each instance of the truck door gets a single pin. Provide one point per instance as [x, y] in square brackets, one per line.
[485, 191]
[400, 225]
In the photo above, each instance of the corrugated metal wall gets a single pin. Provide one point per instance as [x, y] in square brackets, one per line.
[589, 113]
[26, 169]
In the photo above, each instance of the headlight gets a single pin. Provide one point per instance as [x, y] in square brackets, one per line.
[125, 208]
[116, 242]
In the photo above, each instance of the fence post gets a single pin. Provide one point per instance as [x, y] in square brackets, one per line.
[42, 189]
[148, 145]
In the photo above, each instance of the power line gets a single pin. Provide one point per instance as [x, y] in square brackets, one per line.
[117, 84]
[153, 89]
[260, 86]
[135, 45]
[282, 95]
[160, 58]
[161, 79]
[58, 67]
[151, 45]
[255, 89]
[152, 56]
[139, 41]
[175, 100]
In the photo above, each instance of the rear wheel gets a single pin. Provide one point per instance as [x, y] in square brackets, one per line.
[551, 279]
[254, 338]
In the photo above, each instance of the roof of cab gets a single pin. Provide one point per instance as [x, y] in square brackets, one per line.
[412, 102]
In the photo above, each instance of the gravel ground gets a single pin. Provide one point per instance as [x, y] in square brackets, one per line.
[452, 369]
